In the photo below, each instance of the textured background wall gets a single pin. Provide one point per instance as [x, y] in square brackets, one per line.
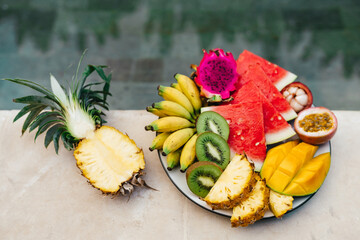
[145, 42]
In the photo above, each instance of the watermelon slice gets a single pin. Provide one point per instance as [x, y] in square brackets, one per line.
[246, 123]
[255, 74]
[275, 126]
[279, 76]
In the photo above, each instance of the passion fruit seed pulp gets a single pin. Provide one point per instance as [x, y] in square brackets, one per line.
[316, 125]
[316, 122]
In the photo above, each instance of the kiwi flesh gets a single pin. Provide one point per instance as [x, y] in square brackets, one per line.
[210, 121]
[213, 148]
[201, 176]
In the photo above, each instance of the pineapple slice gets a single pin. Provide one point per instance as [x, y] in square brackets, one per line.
[234, 184]
[280, 204]
[108, 159]
[254, 207]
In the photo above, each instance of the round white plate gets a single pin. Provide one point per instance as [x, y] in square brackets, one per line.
[179, 180]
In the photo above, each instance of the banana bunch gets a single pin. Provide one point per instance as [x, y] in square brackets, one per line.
[176, 125]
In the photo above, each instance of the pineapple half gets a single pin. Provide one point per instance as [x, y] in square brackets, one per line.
[109, 159]
[233, 185]
[280, 204]
[254, 207]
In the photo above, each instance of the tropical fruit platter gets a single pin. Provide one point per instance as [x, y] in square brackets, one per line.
[242, 138]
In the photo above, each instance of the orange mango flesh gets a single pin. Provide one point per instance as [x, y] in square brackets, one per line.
[310, 177]
[291, 169]
[290, 165]
[274, 158]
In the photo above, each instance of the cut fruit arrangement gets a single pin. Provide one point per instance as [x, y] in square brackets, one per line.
[109, 159]
[220, 126]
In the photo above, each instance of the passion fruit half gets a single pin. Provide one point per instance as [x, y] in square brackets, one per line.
[298, 95]
[316, 125]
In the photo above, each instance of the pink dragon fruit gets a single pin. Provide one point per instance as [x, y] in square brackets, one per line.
[216, 75]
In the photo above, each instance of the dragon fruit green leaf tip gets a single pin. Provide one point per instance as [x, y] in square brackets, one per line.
[216, 75]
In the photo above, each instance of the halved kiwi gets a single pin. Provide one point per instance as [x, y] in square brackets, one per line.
[213, 148]
[201, 176]
[210, 121]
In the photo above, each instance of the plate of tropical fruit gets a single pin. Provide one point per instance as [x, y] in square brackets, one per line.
[242, 138]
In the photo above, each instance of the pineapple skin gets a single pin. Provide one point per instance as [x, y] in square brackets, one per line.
[280, 204]
[257, 209]
[82, 150]
[235, 200]
[231, 203]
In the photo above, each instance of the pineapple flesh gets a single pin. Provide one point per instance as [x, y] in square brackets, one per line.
[280, 204]
[234, 184]
[254, 207]
[108, 159]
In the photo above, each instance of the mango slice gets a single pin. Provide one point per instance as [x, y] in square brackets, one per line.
[291, 169]
[274, 158]
[311, 176]
[290, 165]
[279, 181]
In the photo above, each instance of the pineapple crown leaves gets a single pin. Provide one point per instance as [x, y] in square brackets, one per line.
[52, 112]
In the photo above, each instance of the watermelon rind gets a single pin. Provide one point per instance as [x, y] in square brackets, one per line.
[279, 135]
[205, 109]
[289, 115]
[257, 165]
[285, 80]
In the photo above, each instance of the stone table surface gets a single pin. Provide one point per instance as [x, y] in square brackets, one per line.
[44, 195]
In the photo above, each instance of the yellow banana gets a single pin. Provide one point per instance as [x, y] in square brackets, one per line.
[188, 153]
[155, 111]
[177, 139]
[172, 94]
[169, 124]
[159, 140]
[190, 90]
[173, 159]
[176, 86]
[171, 108]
